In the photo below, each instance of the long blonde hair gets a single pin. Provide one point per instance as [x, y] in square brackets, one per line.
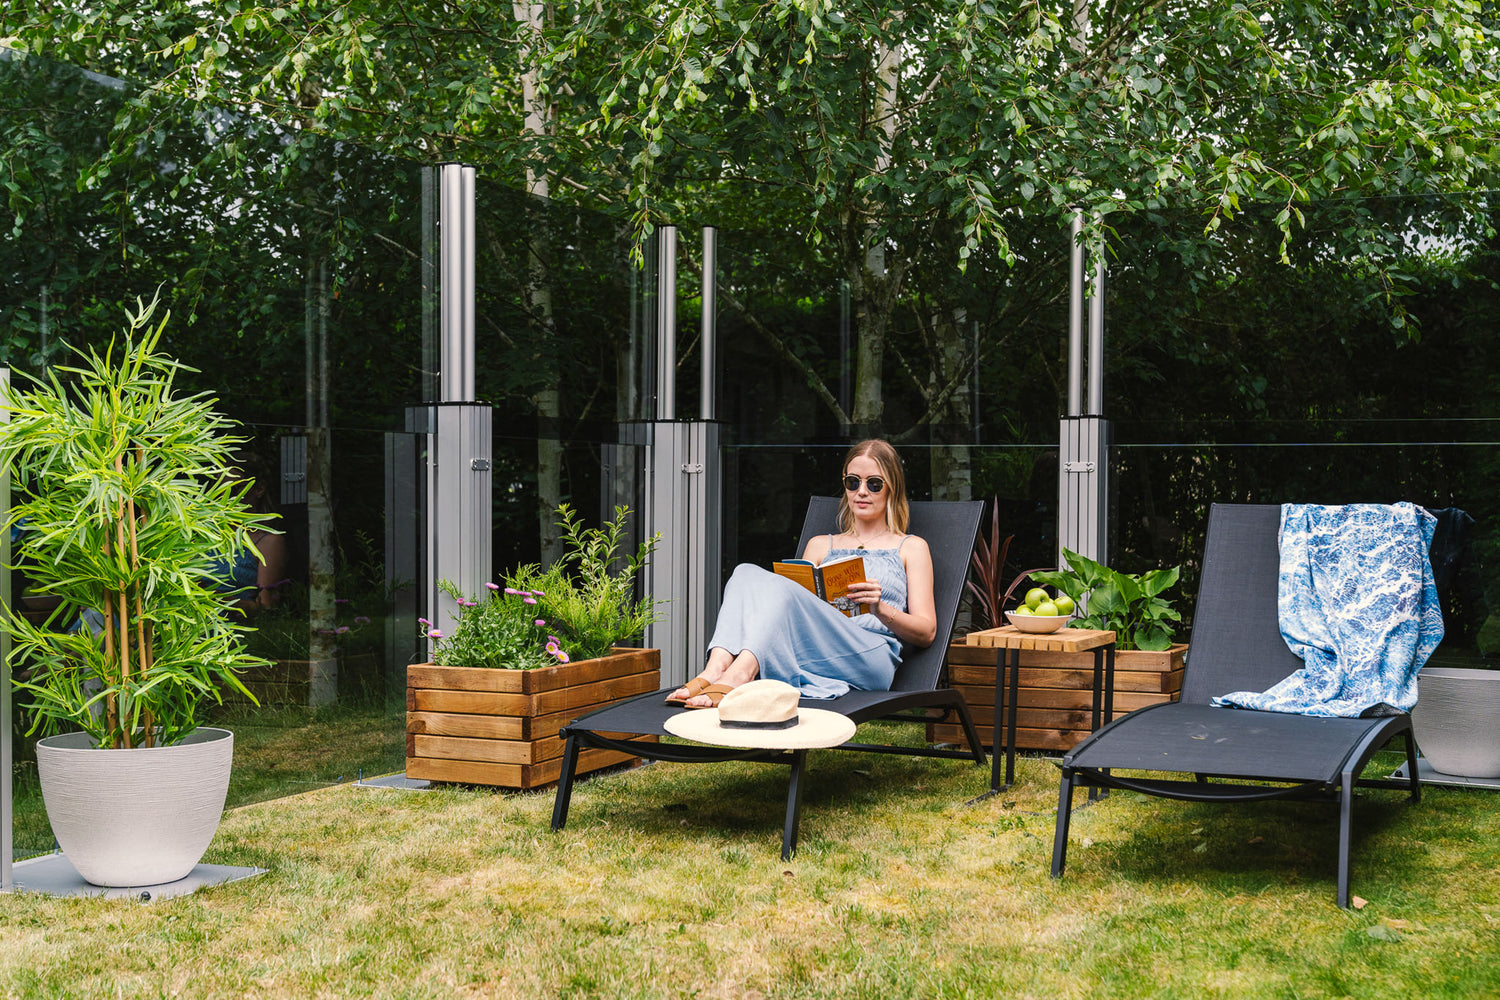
[897, 513]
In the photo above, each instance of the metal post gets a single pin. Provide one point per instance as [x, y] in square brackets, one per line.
[666, 323]
[709, 327]
[1096, 343]
[459, 429]
[1075, 321]
[456, 234]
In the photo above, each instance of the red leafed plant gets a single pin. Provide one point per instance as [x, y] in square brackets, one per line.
[986, 582]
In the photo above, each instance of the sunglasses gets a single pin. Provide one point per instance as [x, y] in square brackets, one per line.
[874, 483]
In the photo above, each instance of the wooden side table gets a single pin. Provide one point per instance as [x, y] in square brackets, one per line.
[1068, 640]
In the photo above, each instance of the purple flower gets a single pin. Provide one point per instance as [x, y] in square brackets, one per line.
[435, 634]
[528, 600]
[512, 591]
[424, 621]
[538, 623]
[554, 640]
[539, 593]
[552, 647]
[493, 586]
[361, 620]
[341, 630]
[561, 656]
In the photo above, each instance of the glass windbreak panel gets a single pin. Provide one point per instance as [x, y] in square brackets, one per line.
[292, 269]
[965, 371]
[1362, 370]
[557, 336]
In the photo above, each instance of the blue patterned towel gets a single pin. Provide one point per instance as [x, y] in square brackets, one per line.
[1357, 602]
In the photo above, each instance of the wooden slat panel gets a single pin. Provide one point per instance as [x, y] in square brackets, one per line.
[564, 675]
[509, 775]
[1069, 640]
[566, 699]
[982, 699]
[1071, 680]
[495, 727]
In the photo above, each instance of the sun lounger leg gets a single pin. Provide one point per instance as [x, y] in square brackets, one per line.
[971, 734]
[565, 784]
[1411, 767]
[793, 806]
[1346, 810]
[1064, 814]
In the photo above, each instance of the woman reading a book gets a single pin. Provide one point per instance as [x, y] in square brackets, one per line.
[773, 627]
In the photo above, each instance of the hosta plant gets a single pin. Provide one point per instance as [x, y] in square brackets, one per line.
[124, 503]
[1130, 605]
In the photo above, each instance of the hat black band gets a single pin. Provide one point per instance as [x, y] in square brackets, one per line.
[737, 724]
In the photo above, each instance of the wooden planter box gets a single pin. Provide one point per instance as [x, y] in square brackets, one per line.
[477, 726]
[1056, 699]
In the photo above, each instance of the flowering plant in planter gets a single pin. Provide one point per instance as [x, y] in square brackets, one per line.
[577, 609]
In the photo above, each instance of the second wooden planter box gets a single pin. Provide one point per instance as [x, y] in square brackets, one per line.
[477, 726]
[1055, 706]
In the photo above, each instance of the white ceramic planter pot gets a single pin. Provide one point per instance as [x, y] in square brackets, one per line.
[1457, 720]
[135, 817]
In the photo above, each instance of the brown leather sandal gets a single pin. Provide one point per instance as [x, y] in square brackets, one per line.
[714, 693]
[694, 687]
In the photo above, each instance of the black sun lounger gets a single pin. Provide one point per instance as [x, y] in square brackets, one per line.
[949, 529]
[1231, 754]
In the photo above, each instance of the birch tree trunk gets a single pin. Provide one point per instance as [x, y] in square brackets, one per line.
[540, 114]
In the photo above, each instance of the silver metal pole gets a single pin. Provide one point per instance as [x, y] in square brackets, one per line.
[709, 328]
[456, 286]
[1096, 342]
[666, 323]
[466, 343]
[1075, 321]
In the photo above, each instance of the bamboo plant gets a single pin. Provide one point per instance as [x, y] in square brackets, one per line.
[126, 501]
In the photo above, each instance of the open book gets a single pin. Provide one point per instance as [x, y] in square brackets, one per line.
[829, 581]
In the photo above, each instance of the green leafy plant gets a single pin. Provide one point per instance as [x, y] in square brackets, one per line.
[126, 506]
[1129, 604]
[577, 609]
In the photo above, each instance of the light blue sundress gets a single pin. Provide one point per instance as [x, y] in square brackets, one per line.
[806, 642]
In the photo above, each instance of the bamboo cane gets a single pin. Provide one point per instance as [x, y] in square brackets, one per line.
[124, 621]
[143, 647]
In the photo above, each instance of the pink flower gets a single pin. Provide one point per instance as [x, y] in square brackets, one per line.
[538, 623]
[435, 633]
[493, 586]
[512, 591]
[553, 640]
[528, 600]
[361, 620]
[341, 630]
[552, 647]
[539, 593]
[561, 656]
[424, 621]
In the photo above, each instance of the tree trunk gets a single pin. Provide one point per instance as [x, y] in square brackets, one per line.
[540, 113]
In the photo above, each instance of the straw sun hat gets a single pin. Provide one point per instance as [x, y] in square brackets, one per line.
[762, 715]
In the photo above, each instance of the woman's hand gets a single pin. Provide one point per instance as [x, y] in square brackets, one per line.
[865, 592]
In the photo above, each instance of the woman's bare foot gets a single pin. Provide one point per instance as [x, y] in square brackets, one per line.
[742, 669]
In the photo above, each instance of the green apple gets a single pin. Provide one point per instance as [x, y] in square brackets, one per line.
[1035, 596]
[1022, 610]
[1064, 604]
[1046, 610]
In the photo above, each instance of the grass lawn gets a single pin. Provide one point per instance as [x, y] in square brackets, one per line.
[668, 883]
